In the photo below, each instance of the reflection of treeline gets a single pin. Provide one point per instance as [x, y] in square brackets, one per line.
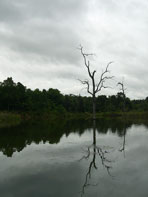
[17, 138]
[16, 97]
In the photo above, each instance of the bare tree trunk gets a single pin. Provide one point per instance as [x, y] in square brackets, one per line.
[94, 107]
[123, 102]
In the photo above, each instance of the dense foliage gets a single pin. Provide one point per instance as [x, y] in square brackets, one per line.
[16, 97]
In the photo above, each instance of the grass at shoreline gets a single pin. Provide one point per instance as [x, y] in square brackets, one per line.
[9, 119]
[127, 115]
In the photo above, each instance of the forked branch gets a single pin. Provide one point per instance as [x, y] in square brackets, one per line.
[122, 87]
[96, 86]
[86, 82]
[86, 62]
[103, 78]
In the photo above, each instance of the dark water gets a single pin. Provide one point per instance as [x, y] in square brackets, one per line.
[75, 158]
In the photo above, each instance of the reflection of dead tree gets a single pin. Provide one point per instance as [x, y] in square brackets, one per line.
[105, 161]
[96, 150]
[122, 89]
[95, 86]
[123, 145]
[88, 154]
[122, 149]
[88, 174]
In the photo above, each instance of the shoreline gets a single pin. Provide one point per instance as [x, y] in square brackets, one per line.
[10, 119]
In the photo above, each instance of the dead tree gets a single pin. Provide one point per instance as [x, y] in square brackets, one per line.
[122, 89]
[94, 86]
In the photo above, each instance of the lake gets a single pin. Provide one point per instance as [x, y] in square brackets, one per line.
[75, 158]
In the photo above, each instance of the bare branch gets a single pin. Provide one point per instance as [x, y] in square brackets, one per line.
[86, 54]
[122, 87]
[86, 62]
[104, 160]
[108, 65]
[86, 156]
[103, 78]
[86, 82]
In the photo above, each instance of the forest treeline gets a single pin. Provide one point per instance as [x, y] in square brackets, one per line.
[16, 97]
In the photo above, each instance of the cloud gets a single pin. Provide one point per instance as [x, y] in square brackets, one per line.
[39, 39]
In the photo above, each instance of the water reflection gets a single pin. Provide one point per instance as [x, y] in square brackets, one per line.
[55, 168]
[17, 138]
[96, 151]
[122, 148]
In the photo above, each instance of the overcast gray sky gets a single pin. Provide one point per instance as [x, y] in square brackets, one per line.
[39, 40]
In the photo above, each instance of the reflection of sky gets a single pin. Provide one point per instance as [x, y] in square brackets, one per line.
[55, 170]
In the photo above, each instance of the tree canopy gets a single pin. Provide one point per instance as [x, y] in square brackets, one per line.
[17, 97]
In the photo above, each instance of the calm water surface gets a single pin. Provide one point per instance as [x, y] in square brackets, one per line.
[73, 159]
